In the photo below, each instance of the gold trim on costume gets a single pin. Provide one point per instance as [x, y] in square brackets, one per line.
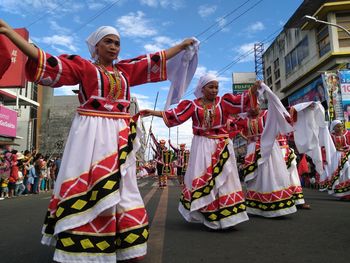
[112, 115]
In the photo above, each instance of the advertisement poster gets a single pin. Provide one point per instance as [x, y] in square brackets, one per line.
[333, 95]
[311, 92]
[344, 78]
[8, 122]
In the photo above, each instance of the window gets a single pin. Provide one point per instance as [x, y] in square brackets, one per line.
[324, 45]
[269, 81]
[278, 85]
[277, 74]
[268, 71]
[343, 19]
[276, 66]
[295, 58]
[268, 76]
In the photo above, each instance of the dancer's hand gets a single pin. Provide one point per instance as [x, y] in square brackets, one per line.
[4, 27]
[145, 113]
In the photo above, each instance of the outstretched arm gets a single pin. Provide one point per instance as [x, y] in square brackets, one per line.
[172, 146]
[147, 112]
[154, 139]
[173, 51]
[18, 40]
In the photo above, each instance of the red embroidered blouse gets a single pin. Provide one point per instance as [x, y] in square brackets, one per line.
[93, 82]
[224, 106]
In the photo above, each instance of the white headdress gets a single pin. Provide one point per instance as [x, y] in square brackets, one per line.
[204, 80]
[96, 36]
[334, 123]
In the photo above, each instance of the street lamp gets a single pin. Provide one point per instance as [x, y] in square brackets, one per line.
[312, 18]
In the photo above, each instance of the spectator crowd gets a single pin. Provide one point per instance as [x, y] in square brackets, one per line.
[28, 172]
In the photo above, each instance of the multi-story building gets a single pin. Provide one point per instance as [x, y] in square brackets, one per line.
[295, 61]
[24, 102]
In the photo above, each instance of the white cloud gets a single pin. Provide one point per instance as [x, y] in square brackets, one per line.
[206, 10]
[30, 7]
[245, 52]
[222, 22]
[57, 28]
[159, 43]
[65, 90]
[201, 70]
[258, 26]
[59, 41]
[173, 4]
[135, 25]
[95, 5]
[165, 88]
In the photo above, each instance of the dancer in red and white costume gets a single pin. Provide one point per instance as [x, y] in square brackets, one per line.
[339, 180]
[96, 213]
[212, 193]
[182, 158]
[269, 190]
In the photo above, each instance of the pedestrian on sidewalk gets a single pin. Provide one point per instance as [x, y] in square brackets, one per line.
[96, 213]
[212, 193]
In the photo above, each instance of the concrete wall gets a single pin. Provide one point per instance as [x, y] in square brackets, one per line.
[56, 123]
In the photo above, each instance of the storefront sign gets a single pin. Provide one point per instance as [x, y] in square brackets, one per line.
[8, 122]
[15, 75]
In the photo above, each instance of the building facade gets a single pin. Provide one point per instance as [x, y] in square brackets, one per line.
[296, 59]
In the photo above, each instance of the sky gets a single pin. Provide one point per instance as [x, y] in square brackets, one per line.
[226, 29]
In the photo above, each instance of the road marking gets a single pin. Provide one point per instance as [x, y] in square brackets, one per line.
[157, 231]
[142, 184]
[149, 195]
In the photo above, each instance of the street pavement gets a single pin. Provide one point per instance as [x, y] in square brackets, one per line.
[319, 235]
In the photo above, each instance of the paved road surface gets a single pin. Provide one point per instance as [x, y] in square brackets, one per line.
[319, 235]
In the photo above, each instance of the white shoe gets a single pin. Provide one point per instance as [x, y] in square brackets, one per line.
[1, 198]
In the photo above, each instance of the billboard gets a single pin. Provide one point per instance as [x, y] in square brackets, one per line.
[344, 78]
[8, 122]
[15, 75]
[242, 81]
[312, 92]
[333, 95]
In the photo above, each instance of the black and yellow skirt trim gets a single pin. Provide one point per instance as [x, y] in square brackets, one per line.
[273, 206]
[217, 169]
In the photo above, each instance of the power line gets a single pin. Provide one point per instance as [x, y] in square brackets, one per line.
[231, 21]
[102, 10]
[238, 58]
[221, 19]
[99, 13]
[265, 40]
[45, 14]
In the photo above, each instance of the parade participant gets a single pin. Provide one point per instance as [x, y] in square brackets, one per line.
[339, 180]
[182, 157]
[212, 193]
[163, 159]
[312, 138]
[269, 191]
[96, 213]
